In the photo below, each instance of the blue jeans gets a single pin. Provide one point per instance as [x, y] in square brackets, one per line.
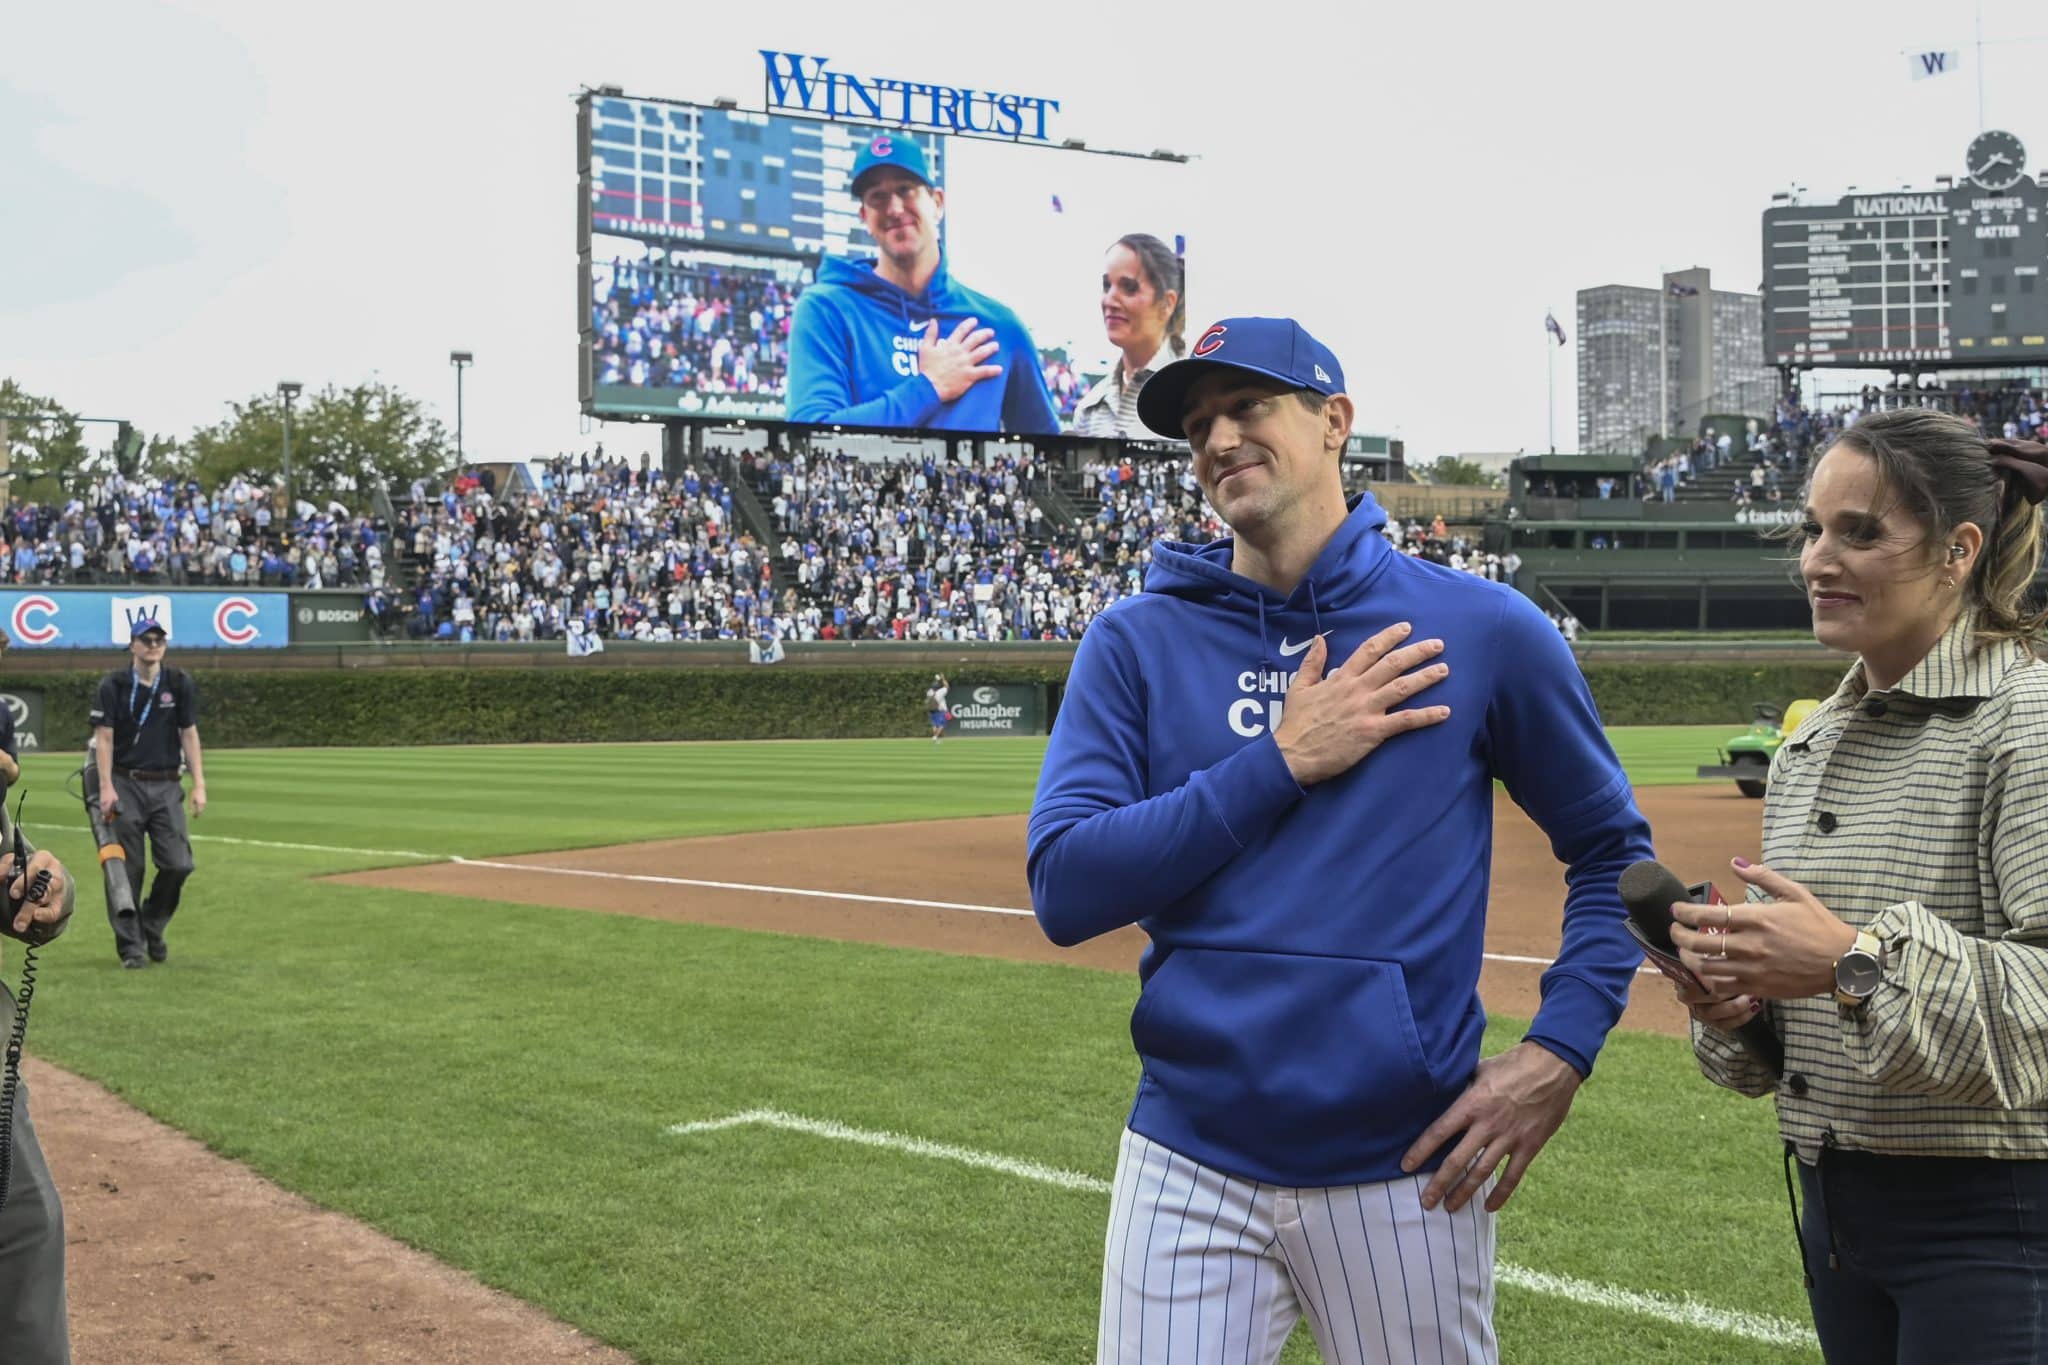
[1926, 1260]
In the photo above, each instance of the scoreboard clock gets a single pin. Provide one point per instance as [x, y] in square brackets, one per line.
[1914, 279]
[1996, 161]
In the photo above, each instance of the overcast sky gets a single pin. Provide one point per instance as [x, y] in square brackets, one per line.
[198, 199]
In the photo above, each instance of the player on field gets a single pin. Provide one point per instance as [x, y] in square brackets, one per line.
[1314, 1124]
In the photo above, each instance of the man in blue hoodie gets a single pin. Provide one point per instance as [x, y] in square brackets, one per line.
[1314, 1123]
[896, 342]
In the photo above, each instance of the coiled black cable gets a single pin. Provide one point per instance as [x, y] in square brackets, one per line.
[10, 1070]
[10, 1084]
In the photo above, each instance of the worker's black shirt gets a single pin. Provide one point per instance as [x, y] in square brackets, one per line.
[146, 719]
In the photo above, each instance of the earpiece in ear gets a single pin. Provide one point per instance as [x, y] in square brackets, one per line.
[1956, 552]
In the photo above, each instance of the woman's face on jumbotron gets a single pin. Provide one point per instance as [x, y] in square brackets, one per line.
[1134, 313]
[1874, 584]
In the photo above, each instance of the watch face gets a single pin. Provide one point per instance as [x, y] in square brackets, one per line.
[1857, 974]
[1996, 160]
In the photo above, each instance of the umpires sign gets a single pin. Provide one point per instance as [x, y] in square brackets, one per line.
[982, 710]
[25, 705]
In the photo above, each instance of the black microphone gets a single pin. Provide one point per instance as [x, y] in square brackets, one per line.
[1648, 889]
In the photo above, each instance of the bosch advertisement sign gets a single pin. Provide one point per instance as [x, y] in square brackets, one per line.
[68, 618]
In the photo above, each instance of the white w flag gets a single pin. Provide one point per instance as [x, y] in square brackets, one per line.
[1925, 64]
[584, 642]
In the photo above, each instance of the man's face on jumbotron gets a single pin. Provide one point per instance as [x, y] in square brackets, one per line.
[1257, 448]
[902, 214]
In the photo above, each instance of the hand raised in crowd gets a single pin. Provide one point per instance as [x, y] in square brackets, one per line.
[46, 908]
[1777, 949]
[954, 363]
[1331, 723]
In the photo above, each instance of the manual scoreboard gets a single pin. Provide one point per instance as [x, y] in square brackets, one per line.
[1949, 278]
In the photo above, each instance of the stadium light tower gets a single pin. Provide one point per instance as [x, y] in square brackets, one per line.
[461, 360]
[288, 389]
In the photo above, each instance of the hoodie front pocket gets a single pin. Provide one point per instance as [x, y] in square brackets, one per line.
[1280, 1040]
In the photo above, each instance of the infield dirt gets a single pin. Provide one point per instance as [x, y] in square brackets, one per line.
[980, 863]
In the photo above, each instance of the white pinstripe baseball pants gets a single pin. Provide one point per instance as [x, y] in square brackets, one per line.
[1202, 1268]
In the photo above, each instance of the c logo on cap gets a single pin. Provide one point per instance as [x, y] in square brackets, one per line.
[881, 146]
[1211, 341]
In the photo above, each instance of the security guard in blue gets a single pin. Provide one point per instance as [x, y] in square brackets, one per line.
[145, 720]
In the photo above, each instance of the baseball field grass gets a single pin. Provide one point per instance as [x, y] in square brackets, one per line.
[500, 1084]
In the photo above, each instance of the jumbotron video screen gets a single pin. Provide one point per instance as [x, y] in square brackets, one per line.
[727, 271]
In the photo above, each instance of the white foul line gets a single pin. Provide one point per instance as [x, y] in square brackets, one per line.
[652, 879]
[272, 843]
[1682, 1311]
[899, 1142]
[741, 886]
[705, 884]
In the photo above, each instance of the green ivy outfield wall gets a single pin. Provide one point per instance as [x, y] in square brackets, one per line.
[504, 703]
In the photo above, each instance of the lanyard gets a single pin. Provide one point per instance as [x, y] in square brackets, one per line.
[134, 691]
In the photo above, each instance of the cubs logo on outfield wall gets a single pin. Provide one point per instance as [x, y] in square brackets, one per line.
[86, 618]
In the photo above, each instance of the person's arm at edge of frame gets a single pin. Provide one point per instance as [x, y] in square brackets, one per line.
[816, 386]
[1551, 751]
[188, 743]
[1101, 854]
[10, 761]
[1966, 1019]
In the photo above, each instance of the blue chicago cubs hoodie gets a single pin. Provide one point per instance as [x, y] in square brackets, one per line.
[1310, 998]
[853, 356]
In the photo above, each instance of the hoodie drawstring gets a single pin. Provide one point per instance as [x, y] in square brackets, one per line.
[1265, 640]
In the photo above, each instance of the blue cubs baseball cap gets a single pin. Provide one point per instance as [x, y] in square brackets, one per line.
[146, 625]
[889, 149]
[1277, 348]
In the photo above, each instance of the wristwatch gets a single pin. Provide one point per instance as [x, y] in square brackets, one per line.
[1858, 971]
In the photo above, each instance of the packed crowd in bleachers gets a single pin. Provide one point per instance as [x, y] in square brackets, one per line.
[858, 549]
[626, 553]
[707, 328]
[168, 533]
[2011, 408]
[922, 550]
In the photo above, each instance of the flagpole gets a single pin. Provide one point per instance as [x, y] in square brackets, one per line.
[1550, 360]
[1663, 359]
[1980, 65]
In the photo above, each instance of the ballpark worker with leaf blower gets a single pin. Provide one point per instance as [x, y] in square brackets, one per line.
[145, 719]
[1314, 1124]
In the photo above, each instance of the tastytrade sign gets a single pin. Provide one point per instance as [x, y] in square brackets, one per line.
[804, 85]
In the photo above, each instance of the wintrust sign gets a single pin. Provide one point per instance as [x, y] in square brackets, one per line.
[803, 84]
